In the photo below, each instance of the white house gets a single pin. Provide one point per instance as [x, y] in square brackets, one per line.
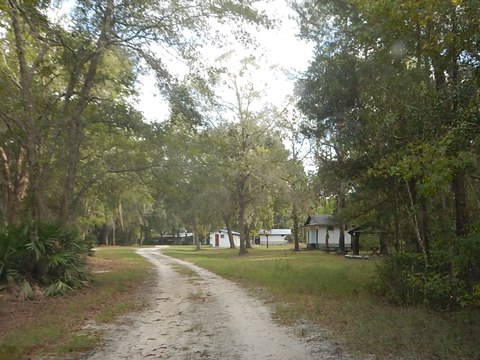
[274, 236]
[219, 239]
[323, 233]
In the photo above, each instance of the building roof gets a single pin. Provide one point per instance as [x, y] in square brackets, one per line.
[270, 232]
[319, 220]
[366, 229]
[226, 232]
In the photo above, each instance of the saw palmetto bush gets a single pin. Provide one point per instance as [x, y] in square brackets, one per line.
[48, 256]
[12, 245]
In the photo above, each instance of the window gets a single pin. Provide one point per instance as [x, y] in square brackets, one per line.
[222, 236]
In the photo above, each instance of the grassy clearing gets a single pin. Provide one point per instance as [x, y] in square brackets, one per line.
[53, 324]
[335, 293]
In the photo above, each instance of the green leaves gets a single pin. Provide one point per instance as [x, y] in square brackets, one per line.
[46, 255]
[389, 100]
[450, 280]
[63, 77]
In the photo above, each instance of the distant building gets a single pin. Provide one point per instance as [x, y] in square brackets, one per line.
[182, 238]
[323, 233]
[274, 236]
[219, 239]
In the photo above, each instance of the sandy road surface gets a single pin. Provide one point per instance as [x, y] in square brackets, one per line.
[205, 317]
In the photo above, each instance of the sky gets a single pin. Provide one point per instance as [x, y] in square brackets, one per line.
[283, 55]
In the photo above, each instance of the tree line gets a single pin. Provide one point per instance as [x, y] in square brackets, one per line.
[79, 164]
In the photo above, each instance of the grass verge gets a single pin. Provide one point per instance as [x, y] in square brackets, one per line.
[334, 292]
[53, 325]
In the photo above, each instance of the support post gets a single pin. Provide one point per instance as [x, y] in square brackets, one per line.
[356, 244]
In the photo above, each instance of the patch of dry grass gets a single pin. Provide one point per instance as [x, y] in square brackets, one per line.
[53, 324]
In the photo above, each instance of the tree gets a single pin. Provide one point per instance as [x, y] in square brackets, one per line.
[384, 65]
[413, 69]
[331, 102]
[290, 121]
[61, 79]
[252, 149]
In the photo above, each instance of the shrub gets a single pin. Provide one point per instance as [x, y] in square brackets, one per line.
[467, 267]
[12, 245]
[50, 256]
[399, 278]
[150, 241]
[451, 278]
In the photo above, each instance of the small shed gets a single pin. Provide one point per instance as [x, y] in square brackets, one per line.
[219, 239]
[322, 232]
[274, 236]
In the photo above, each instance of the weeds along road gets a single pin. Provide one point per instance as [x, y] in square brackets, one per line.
[205, 317]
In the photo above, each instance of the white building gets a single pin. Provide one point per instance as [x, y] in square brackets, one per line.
[323, 233]
[219, 239]
[274, 236]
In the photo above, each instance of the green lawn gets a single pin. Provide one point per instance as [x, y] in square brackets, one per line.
[53, 324]
[335, 293]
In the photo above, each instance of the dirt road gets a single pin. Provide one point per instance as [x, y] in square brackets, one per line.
[206, 317]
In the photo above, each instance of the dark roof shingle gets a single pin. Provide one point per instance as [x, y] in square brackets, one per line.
[322, 220]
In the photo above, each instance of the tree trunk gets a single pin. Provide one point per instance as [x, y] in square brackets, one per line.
[340, 209]
[417, 227]
[104, 235]
[240, 192]
[15, 182]
[396, 222]
[396, 226]
[248, 244]
[383, 244]
[341, 240]
[114, 240]
[120, 216]
[197, 242]
[196, 239]
[140, 240]
[241, 221]
[27, 120]
[296, 237]
[228, 225]
[74, 114]
[462, 221]
[425, 225]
